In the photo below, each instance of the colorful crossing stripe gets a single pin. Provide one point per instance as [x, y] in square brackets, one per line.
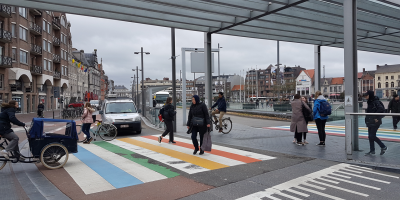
[136, 160]
[383, 134]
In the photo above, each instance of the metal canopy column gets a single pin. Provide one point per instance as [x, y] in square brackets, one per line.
[208, 66]
[173, 58]
[350, 71]
[317, 68]
[183, 84]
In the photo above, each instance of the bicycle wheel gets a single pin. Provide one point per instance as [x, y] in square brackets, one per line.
[2, 163]
[54, 156]
[107, 132]
[226, 126]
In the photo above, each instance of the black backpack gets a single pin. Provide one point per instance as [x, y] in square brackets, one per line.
[162, 112]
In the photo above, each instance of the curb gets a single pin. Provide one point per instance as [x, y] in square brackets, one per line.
[150, 125]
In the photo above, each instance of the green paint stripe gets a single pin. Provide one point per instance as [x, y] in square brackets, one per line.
[144, 162]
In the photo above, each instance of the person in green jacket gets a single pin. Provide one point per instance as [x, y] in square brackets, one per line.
[394, 107]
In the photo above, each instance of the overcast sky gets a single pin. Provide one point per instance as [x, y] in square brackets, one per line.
[117, 41]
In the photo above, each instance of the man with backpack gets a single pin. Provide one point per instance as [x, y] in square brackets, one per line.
[394, 107]
[373, 122]
[167, 113]
[322, 109]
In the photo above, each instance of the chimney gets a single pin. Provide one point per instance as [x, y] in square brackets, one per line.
[363, 69]
[377, 66]
[95, 52]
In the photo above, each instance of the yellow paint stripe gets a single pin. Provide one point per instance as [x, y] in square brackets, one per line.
[176, 154]
[360, 128]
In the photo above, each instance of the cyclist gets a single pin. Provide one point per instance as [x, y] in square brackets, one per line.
[221, 110]
[40, 109]
[7, 116]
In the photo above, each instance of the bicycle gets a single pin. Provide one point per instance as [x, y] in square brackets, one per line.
[105, 131]
[226, 123]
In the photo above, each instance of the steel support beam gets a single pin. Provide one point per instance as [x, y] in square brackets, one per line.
[183, 83]
[350, 71]
[208, 69]
[173, 59]
[317, 68]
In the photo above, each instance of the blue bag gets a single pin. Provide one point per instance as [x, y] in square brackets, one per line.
[325, 109]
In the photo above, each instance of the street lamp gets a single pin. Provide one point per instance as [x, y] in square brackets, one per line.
[219, 52]
[141, 55]
[137, 84]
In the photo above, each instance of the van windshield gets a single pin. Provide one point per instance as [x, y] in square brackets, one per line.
[94, 102]
[120, 107]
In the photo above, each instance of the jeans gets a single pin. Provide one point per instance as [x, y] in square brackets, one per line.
[85, 129]
[321, 129]
[170, 130]
[13, 142]
[201, 131]
[372, 138]
[395, 121]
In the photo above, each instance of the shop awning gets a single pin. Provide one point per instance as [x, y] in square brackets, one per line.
[16, 73]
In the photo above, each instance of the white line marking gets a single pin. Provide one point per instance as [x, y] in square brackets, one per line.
[351, 182]
[297, 192]
[319, 193]
[372, 172]
[351, 170]
[313, 186]
[339, 188]
[359, 167]
[87, 179]
[168, 160]
[286, 195]
[348, 177]
[326, 180]
[372, 179]
[140, 172]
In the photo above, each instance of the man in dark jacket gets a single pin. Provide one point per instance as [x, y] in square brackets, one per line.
[394, 107]
[154, 102]
[7, 116]
[373, 122]
[221, 110]
[40, 109]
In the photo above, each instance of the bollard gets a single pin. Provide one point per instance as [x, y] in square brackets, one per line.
[53, 114]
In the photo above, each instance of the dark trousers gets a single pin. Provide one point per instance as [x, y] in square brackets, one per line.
[85, 129]
[94, 118]
[196, 130]
[170, 130]
[372, 138]
[395, 121]
[296, 135]
[321, 129]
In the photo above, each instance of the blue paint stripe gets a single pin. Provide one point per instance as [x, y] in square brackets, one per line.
[114, 175]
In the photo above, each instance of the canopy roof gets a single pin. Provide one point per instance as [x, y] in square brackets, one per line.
[302, 21]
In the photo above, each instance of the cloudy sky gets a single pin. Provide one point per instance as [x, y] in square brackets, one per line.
[117, 41]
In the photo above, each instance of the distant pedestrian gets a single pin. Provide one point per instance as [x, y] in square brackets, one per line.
[320, 121]
[394, 107]
[374, 122]
[168, 116]
[87, 121]
[198, 121]
[308, 116]
[154, 102]
[40, 110]
[262, 103]
[298, 124]
[257, 103]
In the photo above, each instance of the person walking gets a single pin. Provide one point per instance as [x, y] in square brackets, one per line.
[298, 124]
[198, 122]
[87, 121]
[320, 121]
[168, 116]
[7, 116]
[154, 102]
[394, 107]
[257, 103]
[374, 122]
[221, 110]
[262, 103]
[40, 109]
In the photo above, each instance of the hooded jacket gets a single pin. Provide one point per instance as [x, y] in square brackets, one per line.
[87, 115]
[374, 106]
[317, 104]
[221, 103]
[169, 112]
[198, 110]
[7, 116]
[394, 106]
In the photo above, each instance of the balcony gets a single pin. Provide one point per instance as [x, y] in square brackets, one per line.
[5, 36]
[56, 23]
[5, 11]
[35, 12]
[56, 58]
[5, 62]
[35, 29]
[57, 75]
[36, 70]
[56, 41]
[36, 50]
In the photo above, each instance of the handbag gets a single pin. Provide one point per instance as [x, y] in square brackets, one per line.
[197, 121]
[307, 114]
[206, 146]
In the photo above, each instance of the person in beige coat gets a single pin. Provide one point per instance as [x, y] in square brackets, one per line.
[87, 120]
[298, 125]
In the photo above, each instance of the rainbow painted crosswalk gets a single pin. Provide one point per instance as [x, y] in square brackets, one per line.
[137, 160]
[383, 134]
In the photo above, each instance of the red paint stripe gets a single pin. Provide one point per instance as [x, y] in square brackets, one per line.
[214, 151]
[335, 134]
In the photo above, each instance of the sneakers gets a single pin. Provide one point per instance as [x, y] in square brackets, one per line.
[321, 144]
[220, 130]
[299, 144]
[201, 152]
[370, 153]
[383, 150]
[159, 139]
[88, 141]
[5, 154]
[195, 152]
[305, 142]
[172, 142]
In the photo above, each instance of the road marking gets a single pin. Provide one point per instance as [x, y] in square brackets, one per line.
[208, 156]
[114, 175]
[317, 181]
[176, 154]
[142, 173]
[372, 172]
[80, 172]
[165, 159]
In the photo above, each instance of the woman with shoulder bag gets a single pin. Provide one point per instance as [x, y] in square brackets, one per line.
[87, 120]
[198, 121]
[168, 116]
[298, 125]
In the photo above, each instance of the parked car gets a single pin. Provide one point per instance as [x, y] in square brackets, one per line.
[76, 104]
[95, 104]
[123, 114]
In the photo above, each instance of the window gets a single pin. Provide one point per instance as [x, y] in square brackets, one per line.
[392, 77]
[13, 33]
[379, 78]
[340, 88]
[386, 84]
[49, 65]
[379, 85]
[23, 57]
[44, 26]
[1, 80]
[387, 77]
[14, 54]
[49, 28]
[49, 46]
[12, 9]
[23, 33]
[63, 21]
[392, 84]
[22, 12]
[45, 64]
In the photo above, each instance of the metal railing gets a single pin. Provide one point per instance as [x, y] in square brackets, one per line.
[56, 58]
[36, 69]
[57, 74]
[5, 61]
[36, 49]
[35, 28]
[5, 36]
[56, 41]
[56, 23]
[5, 9]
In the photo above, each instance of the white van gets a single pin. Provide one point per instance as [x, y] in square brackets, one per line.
[123, 114]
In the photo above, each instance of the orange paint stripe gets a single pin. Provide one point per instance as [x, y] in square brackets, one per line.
[214, 151]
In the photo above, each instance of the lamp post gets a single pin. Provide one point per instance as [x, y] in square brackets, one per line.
[141, 56]
[219, 52]
[137, 84]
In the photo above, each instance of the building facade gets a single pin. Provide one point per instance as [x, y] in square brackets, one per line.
[122, 91]
[387, 80]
